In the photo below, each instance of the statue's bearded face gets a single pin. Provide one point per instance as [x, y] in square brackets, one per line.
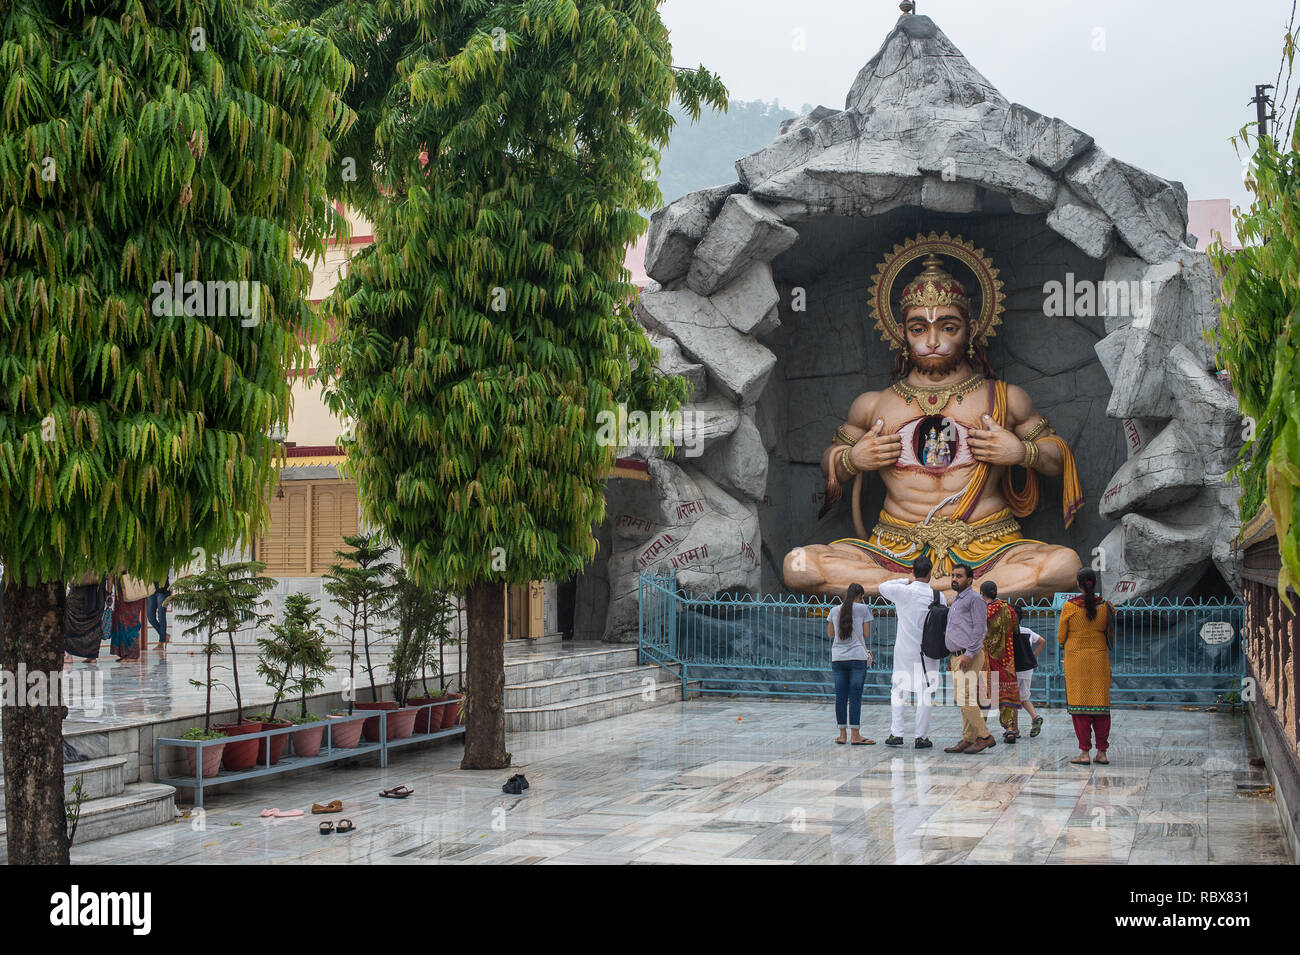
[936, 338]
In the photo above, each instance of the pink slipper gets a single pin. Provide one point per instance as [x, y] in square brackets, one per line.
[277, 814]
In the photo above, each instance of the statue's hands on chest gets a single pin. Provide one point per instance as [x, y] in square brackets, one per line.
[874, 450]
[994, 444]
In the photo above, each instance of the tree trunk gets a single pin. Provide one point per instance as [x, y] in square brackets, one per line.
[31, 642]
[485, 718]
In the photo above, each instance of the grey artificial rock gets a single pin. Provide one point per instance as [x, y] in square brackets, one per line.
[1146, 557]
[812, 119]
[1121, 285]
[938, 195]
[705, 423]
[1110, 350]
[704, 537]
[673, 362]
[971, 159]
[1153, 232]
[1088, 229]
[916, 67]
[737, 364]
[743, 232]
[1049, 143]
[1207, 409]
[1058, 145]
[1165, 472]
[739, 464]
[1139, 386]
[677, 229]
[750, 302]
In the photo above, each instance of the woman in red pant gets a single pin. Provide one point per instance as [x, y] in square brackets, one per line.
[1086, 630]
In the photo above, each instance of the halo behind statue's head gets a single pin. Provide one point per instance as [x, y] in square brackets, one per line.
[934, 287]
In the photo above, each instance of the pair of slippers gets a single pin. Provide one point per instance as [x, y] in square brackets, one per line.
[857, 742]
[345, 825]
[281, 813]
[515, 785]
[397, 792]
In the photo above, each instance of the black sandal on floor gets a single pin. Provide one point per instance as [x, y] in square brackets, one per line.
[326, 828]
[346, 825]
[397, 792]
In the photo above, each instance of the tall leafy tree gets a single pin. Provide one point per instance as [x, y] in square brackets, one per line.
[488, 328]
[140, 142]
[1259, 338]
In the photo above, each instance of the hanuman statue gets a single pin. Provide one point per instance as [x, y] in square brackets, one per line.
[943, 438]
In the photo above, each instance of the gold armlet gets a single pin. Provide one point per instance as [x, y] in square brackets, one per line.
[1036, 430]
[843, 437]
[846, 464]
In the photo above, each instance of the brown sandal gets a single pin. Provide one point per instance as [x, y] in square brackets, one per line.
[334, 806]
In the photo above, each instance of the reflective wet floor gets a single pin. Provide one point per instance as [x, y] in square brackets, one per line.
[759, 782]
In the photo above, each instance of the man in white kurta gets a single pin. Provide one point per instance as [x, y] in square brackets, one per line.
[913, 672]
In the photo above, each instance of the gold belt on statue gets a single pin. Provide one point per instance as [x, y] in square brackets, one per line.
[944, 534]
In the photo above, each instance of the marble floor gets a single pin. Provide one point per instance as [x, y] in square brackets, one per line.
[739, 781]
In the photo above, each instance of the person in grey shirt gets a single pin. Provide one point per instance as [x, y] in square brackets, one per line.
[967, 625]
[848, 625]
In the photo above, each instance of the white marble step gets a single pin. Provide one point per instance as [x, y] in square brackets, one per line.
[569, 663]
[100, 777]
[591, 708]
[580, 685]
[138, 806]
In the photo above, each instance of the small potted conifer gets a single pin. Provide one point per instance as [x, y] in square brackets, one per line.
[292, 661]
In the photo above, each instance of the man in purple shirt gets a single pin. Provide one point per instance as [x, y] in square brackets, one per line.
[967, 624]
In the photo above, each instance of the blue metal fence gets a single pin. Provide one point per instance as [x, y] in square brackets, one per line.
[1165, 652]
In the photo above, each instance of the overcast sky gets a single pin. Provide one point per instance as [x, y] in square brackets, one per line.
[1160, 84]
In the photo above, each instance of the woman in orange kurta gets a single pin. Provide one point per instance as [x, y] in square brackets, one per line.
[1085, 631]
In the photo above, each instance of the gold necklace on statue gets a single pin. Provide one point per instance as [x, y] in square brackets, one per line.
[936, 399]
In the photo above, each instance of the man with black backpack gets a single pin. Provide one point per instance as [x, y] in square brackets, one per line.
[914, 670]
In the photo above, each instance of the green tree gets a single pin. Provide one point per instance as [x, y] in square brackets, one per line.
[1259, 342]
[294, 658]
[487, 331]
[139, 142]
[223, 599]
[361, 583]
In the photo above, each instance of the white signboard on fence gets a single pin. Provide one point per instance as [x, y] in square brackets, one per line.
[1216, 633]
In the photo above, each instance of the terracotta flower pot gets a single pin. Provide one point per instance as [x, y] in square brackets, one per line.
[211, 760]
[427, 720]
[451, 712]
[372, 724]
[243, 754]
[401, 722]
[346, 735]
[277, 743]
[307, 742]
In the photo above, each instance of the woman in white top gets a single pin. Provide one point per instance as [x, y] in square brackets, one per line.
[849, 658]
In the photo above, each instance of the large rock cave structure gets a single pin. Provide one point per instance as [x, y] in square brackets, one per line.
[760, 300]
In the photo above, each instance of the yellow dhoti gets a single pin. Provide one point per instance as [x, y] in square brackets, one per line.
[896, 544]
